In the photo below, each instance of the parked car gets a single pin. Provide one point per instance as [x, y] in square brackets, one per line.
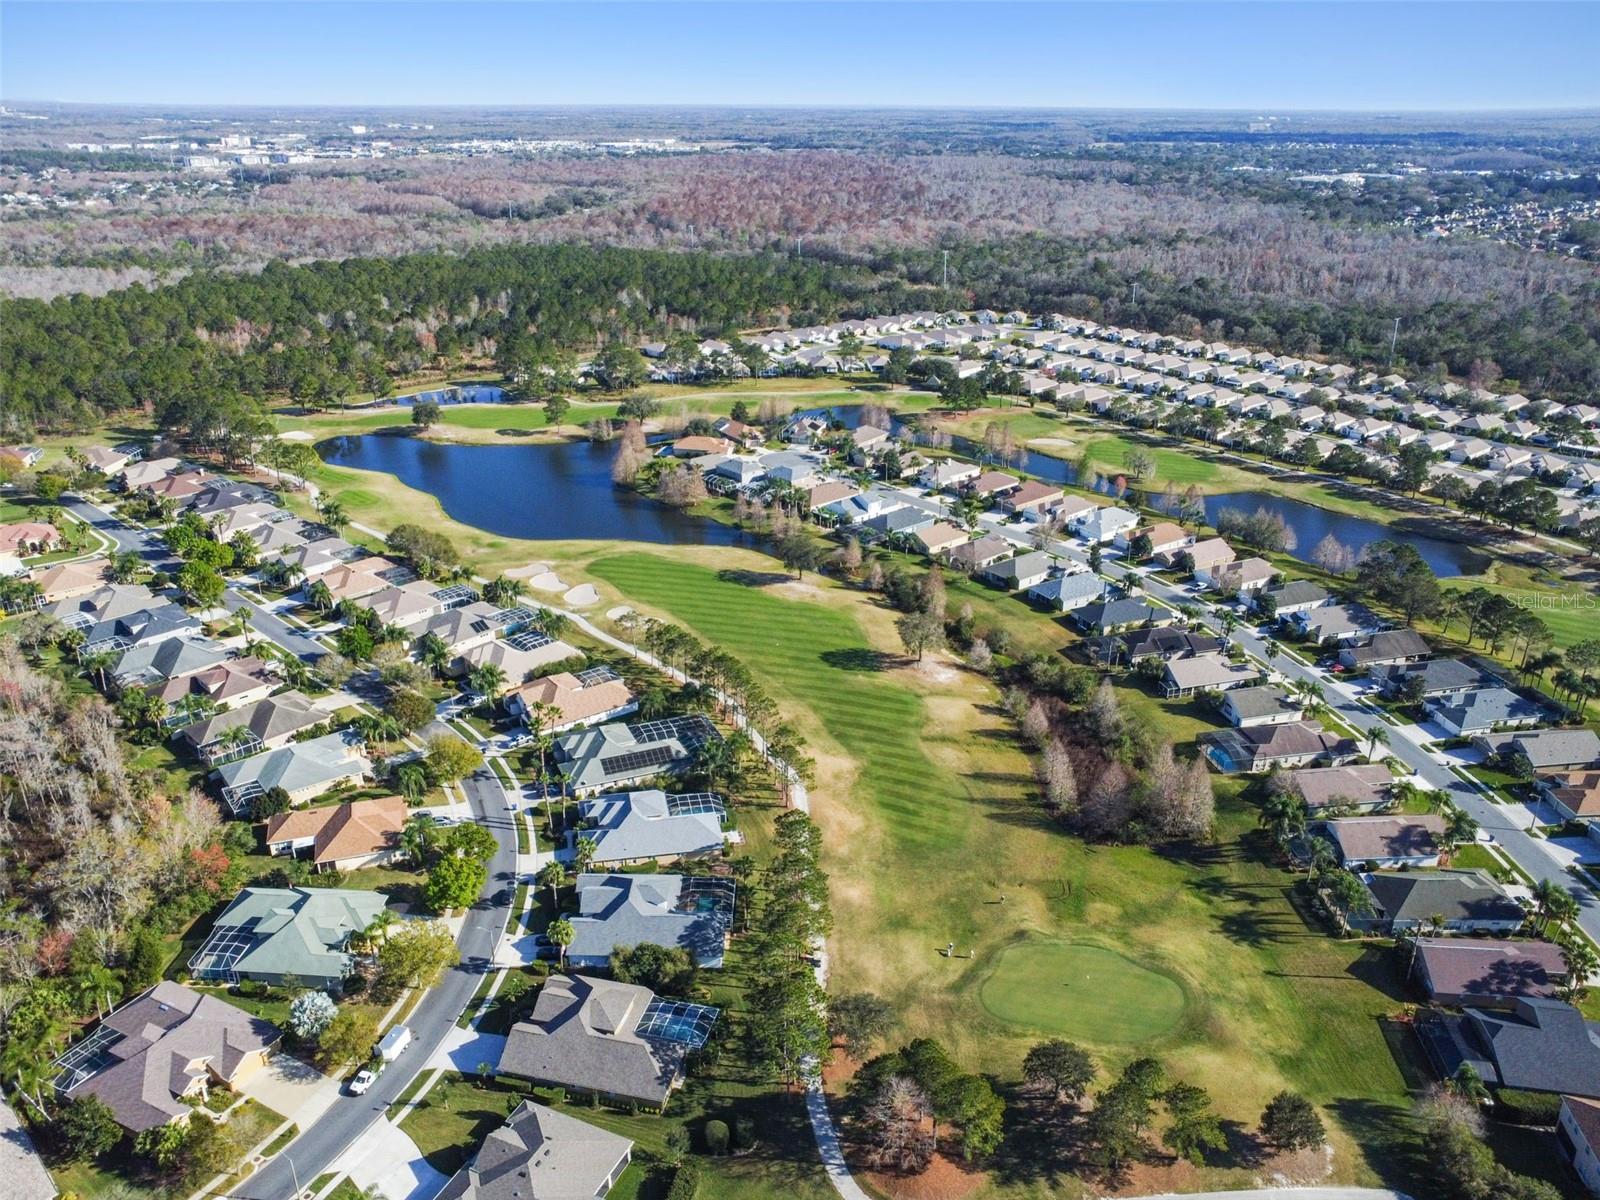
[544, 950]
[363, 1080]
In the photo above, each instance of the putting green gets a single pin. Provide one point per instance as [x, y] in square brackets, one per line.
[1082, 992]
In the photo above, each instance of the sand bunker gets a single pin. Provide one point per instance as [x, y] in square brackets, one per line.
[536, 568]
[617, 613]
[582, 596]
[549, 581]
[296, 435]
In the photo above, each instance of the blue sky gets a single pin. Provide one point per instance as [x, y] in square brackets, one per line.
[1265, 56]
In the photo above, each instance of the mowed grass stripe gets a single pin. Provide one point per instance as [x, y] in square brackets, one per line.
[797, 648]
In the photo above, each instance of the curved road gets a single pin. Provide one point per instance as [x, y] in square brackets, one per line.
[344, 1124]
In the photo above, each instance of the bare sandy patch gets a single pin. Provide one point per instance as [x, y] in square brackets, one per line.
[297, 435]
[1059, 443]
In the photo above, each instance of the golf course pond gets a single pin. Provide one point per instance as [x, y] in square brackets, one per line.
[1081, 992]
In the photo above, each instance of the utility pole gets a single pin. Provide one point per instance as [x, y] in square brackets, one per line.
[1136, 295]
[946, 283]
[1394, 336]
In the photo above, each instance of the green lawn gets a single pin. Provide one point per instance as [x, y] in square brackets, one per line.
[1082, 992]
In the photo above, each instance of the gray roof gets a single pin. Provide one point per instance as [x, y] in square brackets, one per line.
[19, 1158]
[1360, 839]
[979, 550]
[299, 931]
[270, 718]
[170, 658]
[621, 752]
[1491, 967]
[1389, 645]
[1066, 588]
[165, 1035]
[1034, 562]
[630, 910]
[1541, 1045]
[541, 1154]
[1549, 747]
[634, 825]
[1301, 591]
[105, 603]
[583, 1033]
[1123, 611]
[1206, 671]
[1330, 621]
[1437, 675]
[1104, 521]
[1264, 701]
[1356, 783]
[300, 765]
[901, 520]
[162, 620]
[1456, 894]
[1486, 707]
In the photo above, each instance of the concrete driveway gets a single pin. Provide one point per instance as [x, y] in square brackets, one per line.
[296, 1089]
[389, 1160]
[466, 1050]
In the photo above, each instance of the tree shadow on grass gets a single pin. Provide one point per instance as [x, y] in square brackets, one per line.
[1378, 968]
[1389, 1140]
[753, 578]
[860, 658]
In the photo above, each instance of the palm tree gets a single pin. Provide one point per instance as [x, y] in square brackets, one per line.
[411, 781]
[553, 876]
[1459, 827]
[415, 838]
[560, 933]
[332, 513]
[1377, 735]
[1582, 964]
[1552, 902]
[319, 596]
[97, 664]
[1283, 815]
[379, 727]
[553, 623]
[583, 853]
[487, 679]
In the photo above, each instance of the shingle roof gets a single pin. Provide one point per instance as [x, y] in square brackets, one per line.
[173, 656]
[635, 825]
[631, 910]
[1491, 967]
[540, 1154]
[1357, 783]
[270, 718]
[1541, 1045]
[1456, 894]
[299, 765]
[1550, 747]
[1485, 707]
[1063, 588]
[300, 930]
[1364, 838]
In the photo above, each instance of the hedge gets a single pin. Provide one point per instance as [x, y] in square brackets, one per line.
[685, 1182]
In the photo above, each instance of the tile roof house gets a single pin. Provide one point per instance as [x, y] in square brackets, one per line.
[358, 833]
[25, 538]
[62, 581]
[1487, 973]
[542, 1154]
[939, 537]
[1263, 747]
[574, 700]
[1032, 496]
[1360, 787]
[1065, 593]
[1385, 647]
[1022, 571]
[1469, 900]
[979, 553]
[1545, 749]
[167, 1046]
[1574, 794]
[1578, 1133]
[518, 661]
[303, 769]
[1109, 616]
[1537, 1045]
[583, 1035]
[616, 754]
[1204, 673]
[227, 684]
[269, 723]
[1464, 714]
[652, 826]
[1387, 842]
[688, 912]
[270, 934]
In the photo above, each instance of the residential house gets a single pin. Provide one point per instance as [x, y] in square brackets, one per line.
[652, 826]
[1357, 787]
[1112, 616]
[569, 700]
[542, 1154]
[1073, 509]
[1543, 749]
[407, 604]
[1067, 593]
[692, 913]
[1578, 1132]
[1537, 1045]
[64, 581]
[1435, 677]
[357, 833]
[304, 770]
[1023, 571]
[1387, 843]
[106, 603]
[695, 445]
[320, 556]
[1032, 497]
[1383, 648]
[178, 487]
[1333, 623]
[355, 580]
[161, 1051]
[155, 624]
[1467, 714]
[1246, 575]
[270, 935]
[1264, 747]
[24, 539]
[748, 436]
[740, 471]
[106, 460]
[1298, 596]
[602, 1037]
[20, 1162]
[1206, 558]
[1166, 539]
[226, 684]
[1160, 641]
[867, 438]
[830, 492]
[1103, 524]
[266, 725]
[905, 520]
[992, 485]
[520, 656]
[28, 456]
[156, 661]
[1268, 704]
[979, 553]
[1204, 673]
[608, 756]
[939, 537]
[152, 470]
[1488, 972]
[1466, 900]
[1573, 794]
[473, 624]
[947, 474]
